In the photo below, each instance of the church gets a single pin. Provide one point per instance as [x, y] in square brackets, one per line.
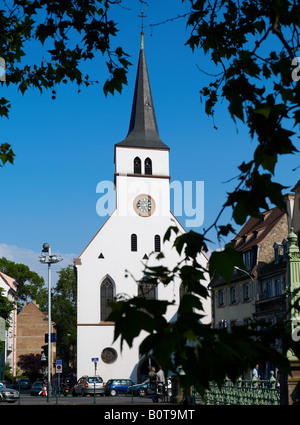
[133, 235]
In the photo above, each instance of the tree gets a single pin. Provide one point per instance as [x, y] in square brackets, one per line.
[30, 365]
[64, 314]
[253, 45]
[30, 284]
[70, 32]
[6, 306]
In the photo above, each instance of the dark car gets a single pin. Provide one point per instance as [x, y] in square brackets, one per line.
[6, 383]
[22, 384]
[140, 389]
[114, 387]
[36, 388]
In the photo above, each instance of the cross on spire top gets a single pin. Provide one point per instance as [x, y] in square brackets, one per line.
[142, 16]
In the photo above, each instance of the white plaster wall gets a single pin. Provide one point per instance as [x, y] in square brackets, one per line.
[124, 160]
[128, 188]
[93, 341]
[113, 241]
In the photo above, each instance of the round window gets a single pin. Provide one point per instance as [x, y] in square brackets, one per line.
[109, 355]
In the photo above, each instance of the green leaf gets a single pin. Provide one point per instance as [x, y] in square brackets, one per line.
[263, 110]
[223, 262]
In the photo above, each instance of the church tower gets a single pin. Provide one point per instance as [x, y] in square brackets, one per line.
[142, 159]
[129, 238]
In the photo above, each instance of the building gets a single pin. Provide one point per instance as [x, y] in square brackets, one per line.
[8, 331]
[253, 291]
[271, 286]
[134, 230]
[32, 328]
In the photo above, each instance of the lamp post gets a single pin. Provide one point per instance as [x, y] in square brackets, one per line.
[244, 271]
[47, 258]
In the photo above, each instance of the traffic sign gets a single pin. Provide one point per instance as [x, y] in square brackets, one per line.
[58, 368]
[52, 338]
[95, 359]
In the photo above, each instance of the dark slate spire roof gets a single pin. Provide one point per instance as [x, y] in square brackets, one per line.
[143, 131]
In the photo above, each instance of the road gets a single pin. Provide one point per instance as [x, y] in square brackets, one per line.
[126, 408]
[27, 399]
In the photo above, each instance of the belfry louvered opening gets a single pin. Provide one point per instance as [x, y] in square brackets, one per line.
[133, 242]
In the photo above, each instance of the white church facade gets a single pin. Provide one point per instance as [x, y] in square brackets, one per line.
[131, 236]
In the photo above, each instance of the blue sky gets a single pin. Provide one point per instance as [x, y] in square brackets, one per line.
[64, 147]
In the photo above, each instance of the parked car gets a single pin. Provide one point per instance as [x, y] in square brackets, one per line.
[36, 388]
[22, 384]
[140, 389]
[143, 389]
[8, 394]
[6, 383]
[89, 385]
[114, 387]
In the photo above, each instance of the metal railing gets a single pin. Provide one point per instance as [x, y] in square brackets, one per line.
[242, 392]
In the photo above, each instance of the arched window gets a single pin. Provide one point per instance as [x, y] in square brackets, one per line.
[137, 165]
[182, 291]
[157, 243]
[133, 242]
[147, 290]
[148, 166]
[106, 294]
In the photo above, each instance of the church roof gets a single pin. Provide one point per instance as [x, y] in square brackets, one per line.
[143, 130]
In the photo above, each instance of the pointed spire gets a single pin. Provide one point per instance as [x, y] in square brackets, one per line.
[143, 130]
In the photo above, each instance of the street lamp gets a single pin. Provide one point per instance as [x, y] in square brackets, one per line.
[244, 271]
[47, 258]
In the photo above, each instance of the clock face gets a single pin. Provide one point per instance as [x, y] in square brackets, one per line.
[144, 205]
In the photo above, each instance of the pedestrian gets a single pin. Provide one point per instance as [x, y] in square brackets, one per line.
[153, 384]
[44, 389]
[161, 382]
[255, 372]
[54, 385]
[161, 375]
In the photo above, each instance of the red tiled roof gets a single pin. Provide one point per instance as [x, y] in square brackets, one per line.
[256, 229]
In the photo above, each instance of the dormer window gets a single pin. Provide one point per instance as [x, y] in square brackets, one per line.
[250, 257]
[137, 169]
[278, 252]
[247, 259]
[148, 166]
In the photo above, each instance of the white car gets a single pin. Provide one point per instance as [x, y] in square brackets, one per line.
[88, 385]
[8, 394]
